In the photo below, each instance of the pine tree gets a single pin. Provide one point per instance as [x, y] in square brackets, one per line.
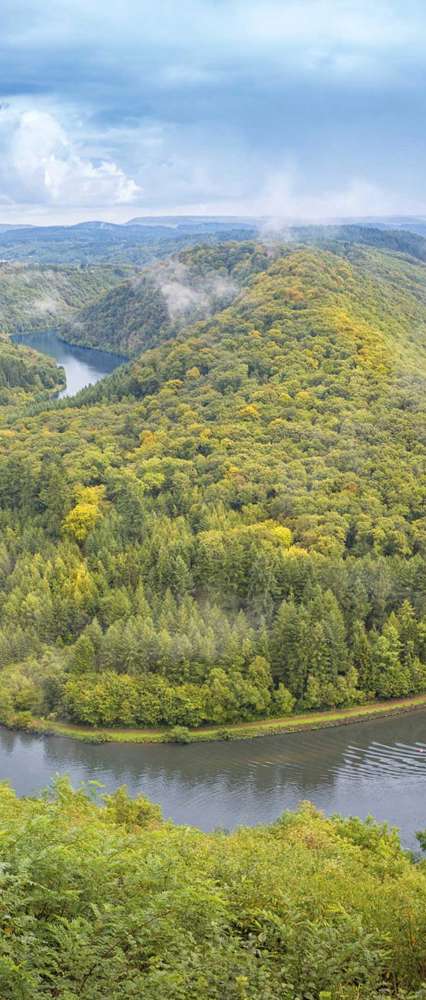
[290, 647]
[363, 658]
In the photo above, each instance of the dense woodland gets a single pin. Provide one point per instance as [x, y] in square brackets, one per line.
[159, 301]
[116, 903]
[34, 297]
[232, 525]
[107, 243]
[154, 304]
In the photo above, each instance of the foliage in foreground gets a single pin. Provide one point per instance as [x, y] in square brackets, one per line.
[115, 903]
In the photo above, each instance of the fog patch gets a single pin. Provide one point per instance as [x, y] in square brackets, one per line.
[189, 294]
[45, 305]
[202, 298]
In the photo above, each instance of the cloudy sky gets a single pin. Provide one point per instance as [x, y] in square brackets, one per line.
[285, 108]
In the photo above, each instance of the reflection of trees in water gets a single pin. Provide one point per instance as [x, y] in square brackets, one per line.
[249, 778]
[11, 740]
[261, 765]
[8, 740]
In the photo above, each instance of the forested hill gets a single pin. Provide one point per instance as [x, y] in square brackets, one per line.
[304, 402]
[162, 299]
[34, 297]
[109, 243]
[234, 523]
[410, 242]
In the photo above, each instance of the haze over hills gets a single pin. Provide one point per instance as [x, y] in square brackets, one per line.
[143, 240]
[154, 304]
[104, 242]
[185, 287]
[194, 283]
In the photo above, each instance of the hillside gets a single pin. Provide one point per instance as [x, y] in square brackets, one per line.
[404, 241]
[167, 296]
[26, 375]
[107, 243]
[141, 242]
[199, 516]
[34, 297]
[164, 298]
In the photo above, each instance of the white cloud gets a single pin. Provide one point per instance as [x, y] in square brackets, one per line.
[41, 165]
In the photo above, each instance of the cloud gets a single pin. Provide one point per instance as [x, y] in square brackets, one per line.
[203, 104]
[42, 165]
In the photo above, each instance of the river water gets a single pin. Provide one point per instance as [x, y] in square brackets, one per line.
[371, 768]
[376, 768]
[83, 365]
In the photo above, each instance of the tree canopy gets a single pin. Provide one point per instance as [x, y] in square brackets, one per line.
[233, 524]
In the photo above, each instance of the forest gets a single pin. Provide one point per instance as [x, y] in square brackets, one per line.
[154, 304]
[137, 242]
[115, 902]
[36, 297]
[232, 525]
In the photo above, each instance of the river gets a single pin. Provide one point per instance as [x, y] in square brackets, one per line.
[376, 768]
[83, 365]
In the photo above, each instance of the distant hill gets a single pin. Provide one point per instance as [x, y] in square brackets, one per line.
[198, 223]
[143, 240]
[385, 238]
[103, 242]
[34, 297]
[412, 225]
[4, 226]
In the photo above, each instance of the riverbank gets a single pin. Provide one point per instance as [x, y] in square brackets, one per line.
[237, 731]
[82, 365]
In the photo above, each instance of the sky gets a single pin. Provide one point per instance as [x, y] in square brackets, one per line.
[308, 110]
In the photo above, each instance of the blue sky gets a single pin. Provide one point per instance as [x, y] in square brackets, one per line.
[308, 109]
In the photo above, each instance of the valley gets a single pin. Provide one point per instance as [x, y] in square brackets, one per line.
[81, 365]
[213, 527]
[253, 477]
[212, 500]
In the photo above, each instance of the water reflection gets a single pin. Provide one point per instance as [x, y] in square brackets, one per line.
[374, 768]
[83, 366]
